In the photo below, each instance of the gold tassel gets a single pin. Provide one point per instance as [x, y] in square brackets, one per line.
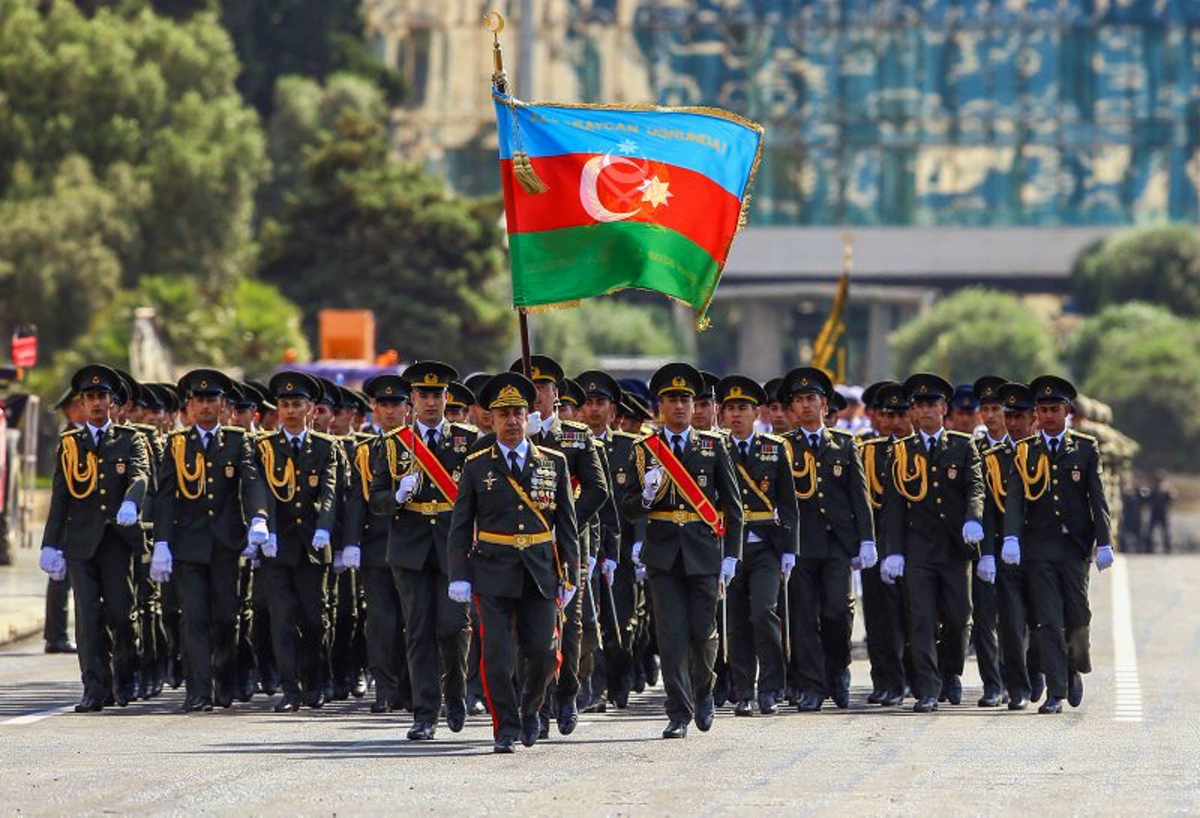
[527, 177]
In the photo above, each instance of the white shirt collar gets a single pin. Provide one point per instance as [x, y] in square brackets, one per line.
[425, 429]
[294, 438]
[686, 434]
[936, 436]
[747, 440]
[991, 441]
[1059, 437]
[522, 449]
[95, 429]
[203, 431]
[808, 433]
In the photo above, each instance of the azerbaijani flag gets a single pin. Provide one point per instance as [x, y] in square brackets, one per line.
[629, 197]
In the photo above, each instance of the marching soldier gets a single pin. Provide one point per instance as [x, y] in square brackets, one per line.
[347, 651]
[574, 441]
[58, 591]
[416, 486]
[932, 512]
[518, 567]
[986, 391]
[763, 464]
[101, 480]
[459, 400]
[704, 411]
[367, 550]
[690, 552]
[1055, 522]
[836, 526]
[208, 486]
[299, 466]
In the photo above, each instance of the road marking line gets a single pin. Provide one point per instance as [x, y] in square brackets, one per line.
[1125, 667]
[34, 718]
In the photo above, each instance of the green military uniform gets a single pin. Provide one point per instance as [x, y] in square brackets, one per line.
[763, 465]
[685, 556]
[97, 472]
[209, 488]
[1056, 516]
[984, 615]
[301, 472]
[517, 504]
[934, 499]
[836, 526]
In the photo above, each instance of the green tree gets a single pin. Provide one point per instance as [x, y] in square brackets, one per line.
[364, 232]
[1118, 326]
[578, 337]
[974, 332]
[1159, 264]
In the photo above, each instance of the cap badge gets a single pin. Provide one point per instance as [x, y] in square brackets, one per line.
[204, 384]
[509, 392]
[679, 382]
[535, 373]
[1049, 389]
[1012, 399]
[431, 378]
[95, 379]
[289, 387]
[387, 390]
[734, 392]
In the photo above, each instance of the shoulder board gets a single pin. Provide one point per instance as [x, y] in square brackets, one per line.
[177, 432]
[907, 438]
[323, 436]
[233, 430]
[959, 435]
[546, 450]
[843, 432]
[144, 427]
[366, 443]
[465, 427]
[576, 425]
[1029, 440]
[69, 432]
[707, 433]
[265, 435]
[872, 441]
[1082, 436]
[990, 450]
[477, 453]
[621, 433]
[772, 437]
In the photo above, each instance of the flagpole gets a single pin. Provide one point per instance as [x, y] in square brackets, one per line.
[493, 21]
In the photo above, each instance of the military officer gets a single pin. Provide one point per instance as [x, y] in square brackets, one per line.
[513, 549]
[685, 477]
[208, 487]
[986, 392]
[704, 412]
[101, 479]
[763, 465]
[299, 466]
[574, 440]
[836, 526]
[478, 414]
[570, 398]
[417, 491]
[1055, 522]
[933, 508]
[459, 400]
[367, 535]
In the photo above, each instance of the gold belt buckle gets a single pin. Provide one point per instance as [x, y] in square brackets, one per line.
[680, 517]
[520, 540]
[429, 508]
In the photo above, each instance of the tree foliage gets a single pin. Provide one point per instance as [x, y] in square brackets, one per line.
[973, 332]
[577, 338]
[365, 232]
[1119, 326]
[1160, 265]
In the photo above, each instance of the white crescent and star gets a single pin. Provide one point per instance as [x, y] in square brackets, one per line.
[654, 191]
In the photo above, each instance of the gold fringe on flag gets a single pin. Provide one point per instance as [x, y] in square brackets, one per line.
[527, 177]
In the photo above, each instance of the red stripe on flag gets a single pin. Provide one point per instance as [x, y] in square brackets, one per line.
[687, 202]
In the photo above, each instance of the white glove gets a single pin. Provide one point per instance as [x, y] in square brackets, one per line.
[339, 565]
[547, 422]
[654, 479]
[257, 535]
[250, 551]
[1010, 551]
[161, 563]
[972, 532]
[127, 514]
[565, 595]
[986, 570]
[639, 573]
[271, 546]
[608, 570]
[352, 556]
[728, 569]
[637, 553]
[786, 563]
[591, 569]
[52, 561]
[408, 484]
[320, 539]
[892, 569]
[459, 591]
[1104, 557]
[867, 555]
[533, 421]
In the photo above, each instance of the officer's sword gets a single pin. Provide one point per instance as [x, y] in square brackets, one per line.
[612, 603]
[724, 623]
[787, 628]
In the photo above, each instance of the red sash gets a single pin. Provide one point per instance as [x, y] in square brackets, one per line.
[686, 484]
[429, 463]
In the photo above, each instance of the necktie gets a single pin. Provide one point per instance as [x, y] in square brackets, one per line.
[813, 439]
[744, 449]
[205, 439]
[930, 442]
[431, 438]
[677, 445]
[99, 437]
[513, 465]
[296, 446]
[1054, 445]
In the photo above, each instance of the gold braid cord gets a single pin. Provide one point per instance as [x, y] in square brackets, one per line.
[1041, 472]
[288, 481]
[874, 486]
[995, 480]
[363, 456]
[71, 470]
[183, 476]
[809, 470]
[903, 475]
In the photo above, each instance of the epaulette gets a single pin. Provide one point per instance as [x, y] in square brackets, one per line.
[772, 437]
[363, 442]
[547, 450]
[907, 438]
[234, 430]
[994, 449]
[324, 436]
[623, 433]
[872, 441]
[74, 430]
[477, 453]
[182, 431]
[963, 435]
[145, 427]
[1030, 439]
[1083, 436]
[576, 425]
[465, 427]
[265, 435]
[708, 433]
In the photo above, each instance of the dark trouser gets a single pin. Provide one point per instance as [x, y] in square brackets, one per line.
[343, 614]
[984, 633]
[58, 593]
[883, 615]
[1013, 628]
[438, 632]
[151, 639]
[172, 639]
[264, 649]
[208, 598]
[1058, 599]
[105, 615]
[685, 613]
[823, 616]
[532, 617]
[618, 654]
[296, 597]
[755, 638]
[937, 594]
[384, 628]
[590, 642]
[246, 664]
[565, 686]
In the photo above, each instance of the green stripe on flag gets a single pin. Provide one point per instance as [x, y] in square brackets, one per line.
[574, 263]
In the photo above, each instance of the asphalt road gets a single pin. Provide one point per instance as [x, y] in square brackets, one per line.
[1132, 748]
